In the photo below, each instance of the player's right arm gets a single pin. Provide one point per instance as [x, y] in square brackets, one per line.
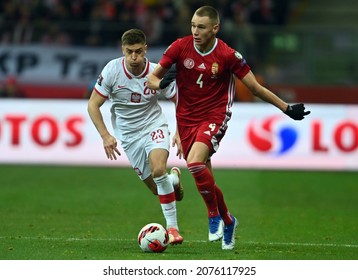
[156, 76]
[109, 142]
[168, 59]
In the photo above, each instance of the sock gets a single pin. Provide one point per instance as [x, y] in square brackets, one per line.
[205, 184]
[174, 179]
[224, 212]
[167, 200]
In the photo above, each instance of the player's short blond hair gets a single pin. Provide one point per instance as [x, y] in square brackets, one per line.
[210, 12]
[133, 36]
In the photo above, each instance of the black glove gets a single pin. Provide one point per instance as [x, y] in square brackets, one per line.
[168, 78]
[296, 112]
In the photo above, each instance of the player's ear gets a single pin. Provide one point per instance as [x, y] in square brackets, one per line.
[145, 48]
[123, 52]
[216, 28]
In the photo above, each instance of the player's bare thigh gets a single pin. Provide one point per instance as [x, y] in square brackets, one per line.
[158, 162]
[199, 152]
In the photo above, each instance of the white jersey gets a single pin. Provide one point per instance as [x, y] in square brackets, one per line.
[135, 108]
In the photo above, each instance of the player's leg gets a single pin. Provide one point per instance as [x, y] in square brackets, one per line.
[174, 177]
[230, 222]
[137, 157]
[161, 186]
[149, 182]
[223, 210]
[151, 170]
[205, 184]
[203, 177]
[206, 142]
[158, 160]
[158, 153]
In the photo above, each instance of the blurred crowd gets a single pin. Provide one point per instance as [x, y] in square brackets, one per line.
[101, 22]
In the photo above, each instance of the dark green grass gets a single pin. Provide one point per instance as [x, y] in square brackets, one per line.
[66, 213]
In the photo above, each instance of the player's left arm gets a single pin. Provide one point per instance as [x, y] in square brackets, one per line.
[296, 112]
[263, 93]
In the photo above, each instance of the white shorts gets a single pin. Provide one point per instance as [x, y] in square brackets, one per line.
[138, 150]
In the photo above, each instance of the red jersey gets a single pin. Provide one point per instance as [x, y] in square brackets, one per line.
[205, 81]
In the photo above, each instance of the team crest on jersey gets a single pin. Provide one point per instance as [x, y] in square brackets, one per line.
[189, 63]
[136, 97]
[214, 70]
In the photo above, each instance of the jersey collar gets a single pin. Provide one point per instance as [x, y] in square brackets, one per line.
[209, 52]
[140, 76]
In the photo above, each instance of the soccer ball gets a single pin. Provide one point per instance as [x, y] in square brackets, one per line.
[153, 237]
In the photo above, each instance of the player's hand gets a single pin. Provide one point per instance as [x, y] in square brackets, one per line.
[168, 78]
[110, 147]
[176, 141]
[297, 111]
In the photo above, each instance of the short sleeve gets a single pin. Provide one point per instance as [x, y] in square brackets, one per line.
[170, 55]
[103, 85]
[238, 64]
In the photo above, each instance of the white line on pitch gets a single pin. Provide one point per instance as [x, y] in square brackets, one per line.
[73, 239]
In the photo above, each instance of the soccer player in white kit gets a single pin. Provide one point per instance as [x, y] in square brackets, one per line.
[138, 123]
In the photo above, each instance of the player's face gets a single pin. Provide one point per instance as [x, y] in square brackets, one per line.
[204, 32]
[134, 55]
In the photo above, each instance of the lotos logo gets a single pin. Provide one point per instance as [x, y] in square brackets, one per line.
[270, 136]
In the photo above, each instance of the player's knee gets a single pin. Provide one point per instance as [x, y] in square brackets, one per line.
[158, 172]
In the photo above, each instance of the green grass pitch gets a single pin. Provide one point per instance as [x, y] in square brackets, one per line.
[95, 213]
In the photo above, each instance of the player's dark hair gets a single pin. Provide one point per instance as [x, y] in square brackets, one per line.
[210, 12]
[133, 36]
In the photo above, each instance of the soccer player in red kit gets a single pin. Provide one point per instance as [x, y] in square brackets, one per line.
[205, 69]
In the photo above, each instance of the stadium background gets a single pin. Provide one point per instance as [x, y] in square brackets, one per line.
[304, 50]
[51, 53]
